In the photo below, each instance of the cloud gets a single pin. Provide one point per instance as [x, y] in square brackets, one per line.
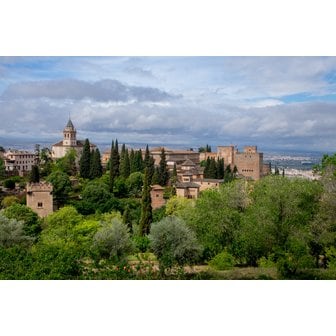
[103, 90]
[139, 72]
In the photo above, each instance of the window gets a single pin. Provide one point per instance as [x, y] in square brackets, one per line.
[40, 205]
[157, 195]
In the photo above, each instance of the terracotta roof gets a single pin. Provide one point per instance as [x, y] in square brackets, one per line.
[58, 144]
[80, 143]
[210, 180]
[188, 163]
[185, 185]
[157, 187]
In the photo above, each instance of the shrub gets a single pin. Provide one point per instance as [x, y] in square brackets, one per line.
[173, 243]
[112, 240]
[266, 262]
[222, 261]
[141, 243]
[12, 233]
[331, 257]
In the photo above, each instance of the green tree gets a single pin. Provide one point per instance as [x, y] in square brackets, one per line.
[280, 210]
[134, 184]
[217, 216]
[35, 174]
[206, 149]
[20, 212]
[112, 240]
[61, 186]
[114, 163]
[146, 207]
[323, 227]
[125, 169]
[67, 164]
[9, 200]
[220, 168]
[85, 160]
[96, 197]
[212, 171]
[9, 183]
[12, 233]
[2, 169]
[149, 163]
[46, 162]
[127, 218]
[173, 178]
[156, 176]
[173, 243]
[96, 169]
[163, 170]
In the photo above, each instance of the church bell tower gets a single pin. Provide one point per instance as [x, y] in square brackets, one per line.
[69, 135]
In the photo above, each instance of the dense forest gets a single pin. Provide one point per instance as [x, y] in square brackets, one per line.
[105, 228]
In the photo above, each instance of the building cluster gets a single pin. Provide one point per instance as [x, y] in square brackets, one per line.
[190, 174]
[18, 162]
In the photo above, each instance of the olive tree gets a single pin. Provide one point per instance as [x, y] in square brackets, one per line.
[112, 240]
[173, 243]
[12, 233]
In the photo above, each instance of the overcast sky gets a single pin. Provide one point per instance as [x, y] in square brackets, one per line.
[272, 102]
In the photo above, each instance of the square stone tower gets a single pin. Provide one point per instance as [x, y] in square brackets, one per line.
[40, 198]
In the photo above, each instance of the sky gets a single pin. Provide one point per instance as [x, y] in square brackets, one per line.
[280, 103]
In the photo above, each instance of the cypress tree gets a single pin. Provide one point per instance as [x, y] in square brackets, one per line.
[139, 165]
[35, 174]
[124, 163]
[276, 171]
[147, 157]
[212, 173]
[85, 160]
[156, 176]
[149, 163]
[206, 168]
[174, 175]
[228, 174]
[163, 171]
[132, 161]
[146, 207]
[127, 218]
[114, 163]
[96, 166]
[220, 168]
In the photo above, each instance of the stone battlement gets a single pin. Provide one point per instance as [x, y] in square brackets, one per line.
[41, 186]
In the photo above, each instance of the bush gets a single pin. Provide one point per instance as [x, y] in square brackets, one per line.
[9, 200]
[173, 243]
[12, 233]
[266, 262]
[21, 212]
[222, 261]
[331, 257]
[112, 240]
[9, 184]
[141, 243]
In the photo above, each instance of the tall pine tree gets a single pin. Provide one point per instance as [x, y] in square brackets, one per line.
[220, 168]
[34, 174]
[124, 162]
[149, 163]
[146, 206]
[96, 166]
[163, 170]
[85, 160]
[212, 172]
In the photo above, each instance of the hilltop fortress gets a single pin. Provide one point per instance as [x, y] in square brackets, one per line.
[249, 163]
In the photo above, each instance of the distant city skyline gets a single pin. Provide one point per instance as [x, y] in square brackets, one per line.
[271, 102]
